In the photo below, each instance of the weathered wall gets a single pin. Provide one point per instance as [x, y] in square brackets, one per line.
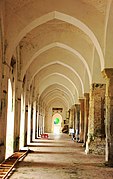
[3, 98]
[96, 132]
[96, 111]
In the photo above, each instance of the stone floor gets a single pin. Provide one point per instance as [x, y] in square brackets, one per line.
[61, 158]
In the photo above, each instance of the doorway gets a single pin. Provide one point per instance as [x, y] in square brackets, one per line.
[57, 121]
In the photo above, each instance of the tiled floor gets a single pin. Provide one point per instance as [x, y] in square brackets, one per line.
[61, 158]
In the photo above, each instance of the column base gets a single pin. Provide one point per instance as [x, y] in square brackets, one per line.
[87, 150]
[107, 164]
[2, 153]
[97, 146]
[81, 137]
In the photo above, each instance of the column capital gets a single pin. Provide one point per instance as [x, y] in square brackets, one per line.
[108, 73]
[96, 85]
[73, 106]
[81, 99]
[86, 95]
[77, 106]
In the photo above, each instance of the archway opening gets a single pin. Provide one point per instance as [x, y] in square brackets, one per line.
[10, 123]
[57, 121]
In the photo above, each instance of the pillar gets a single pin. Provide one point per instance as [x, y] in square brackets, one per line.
[96, 120]
[29, 124]
[81, 120]
[86, 116]
[3, 110]
[72, 122]
[70, 119]
[37, 122]
[77, 121]
[22, 121]
[74, 117]
[43, 119]
[108, 75]
[3, 85]
[67, 117]
[17, 114]
[34, 120]
[26, 117]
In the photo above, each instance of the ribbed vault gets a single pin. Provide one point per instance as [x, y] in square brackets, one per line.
[58, 45]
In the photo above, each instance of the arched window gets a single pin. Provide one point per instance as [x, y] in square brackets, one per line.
[10, 122]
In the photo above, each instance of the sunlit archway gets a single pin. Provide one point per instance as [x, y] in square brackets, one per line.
[57, 121]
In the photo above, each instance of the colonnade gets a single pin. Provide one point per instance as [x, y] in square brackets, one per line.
[91, 118]
[94, 118]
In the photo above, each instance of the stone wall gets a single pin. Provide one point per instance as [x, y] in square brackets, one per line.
[97, 146]
[96, 128]
[96, 111]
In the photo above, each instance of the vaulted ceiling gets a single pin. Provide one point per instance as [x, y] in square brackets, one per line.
[64, 45]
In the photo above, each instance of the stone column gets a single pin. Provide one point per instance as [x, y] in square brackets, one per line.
[108, 75]
[17, 114]
[67, 117]
[96, 119]
[3, 111]
[26, 117]
[37, 122]
[74, 118]
[70, 119]
[34, 120]
[86, 116]
[41, 120]
[22, 121]
[29, 124]
[77, 120]
[4, 75]
[81, 120]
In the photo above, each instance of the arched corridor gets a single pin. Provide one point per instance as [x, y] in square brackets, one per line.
[56, 75]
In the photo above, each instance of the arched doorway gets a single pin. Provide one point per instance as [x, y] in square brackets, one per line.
[10, 122]
[56, 120]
